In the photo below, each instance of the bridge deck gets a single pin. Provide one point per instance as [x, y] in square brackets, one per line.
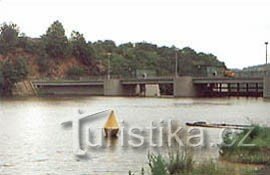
[200, 86]
[226, 80]
[68, 82]
[157, 80]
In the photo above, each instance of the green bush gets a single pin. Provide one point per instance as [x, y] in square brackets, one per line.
[157, 165]
[43, 63]
[180, 162]
[13, 71]
[31, 45]
[75, 72]
[256, 154]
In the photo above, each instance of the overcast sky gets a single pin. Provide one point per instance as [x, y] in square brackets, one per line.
[233, 30]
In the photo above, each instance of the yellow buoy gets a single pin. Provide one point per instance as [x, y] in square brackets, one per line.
[111, 126]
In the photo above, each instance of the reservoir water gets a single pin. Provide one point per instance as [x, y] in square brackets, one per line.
[32, 140]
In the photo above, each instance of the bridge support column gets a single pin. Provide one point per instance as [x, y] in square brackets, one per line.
[266, 87]
[113, 87]
[184, 87]
[152, 90]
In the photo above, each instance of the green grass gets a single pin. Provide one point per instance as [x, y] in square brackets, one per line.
[182, 163]
[257, 154]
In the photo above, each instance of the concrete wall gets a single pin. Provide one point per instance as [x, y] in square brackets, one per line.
[70, 90]
[266, 87]
[23, 88]
[184, 87]
[113, 87]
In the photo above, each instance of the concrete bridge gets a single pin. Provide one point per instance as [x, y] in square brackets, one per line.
[182, 86]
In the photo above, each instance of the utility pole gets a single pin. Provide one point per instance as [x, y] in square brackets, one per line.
[265, 68]
[176, 63]
[109, 66]
[266, 43]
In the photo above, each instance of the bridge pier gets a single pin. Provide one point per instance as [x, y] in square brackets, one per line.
[113, 87]
[152, 90]
[184, 87]
[266, 87]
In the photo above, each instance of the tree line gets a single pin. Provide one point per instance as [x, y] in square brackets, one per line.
[125, 59]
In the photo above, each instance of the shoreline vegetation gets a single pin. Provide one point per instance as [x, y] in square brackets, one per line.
[54, 55]
[258, 151]
[182, 163]
[233, 159]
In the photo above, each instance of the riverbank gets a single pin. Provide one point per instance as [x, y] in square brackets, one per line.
[251, 146]
[182, 163]
[243, 153]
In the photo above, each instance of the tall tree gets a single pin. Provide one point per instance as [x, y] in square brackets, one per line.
[8, 37]
[81, 49]
[55, 41]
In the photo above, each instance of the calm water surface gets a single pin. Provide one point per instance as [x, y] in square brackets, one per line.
[32, 140]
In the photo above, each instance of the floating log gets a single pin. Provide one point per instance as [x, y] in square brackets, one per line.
[215, 125]
[111, 127]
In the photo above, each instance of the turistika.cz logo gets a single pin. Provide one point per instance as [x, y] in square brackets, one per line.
[164, 133]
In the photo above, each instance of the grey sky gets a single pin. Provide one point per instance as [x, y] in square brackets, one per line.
[233, 30]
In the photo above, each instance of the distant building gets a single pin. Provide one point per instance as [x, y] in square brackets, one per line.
[210, 71]
[254, 71]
